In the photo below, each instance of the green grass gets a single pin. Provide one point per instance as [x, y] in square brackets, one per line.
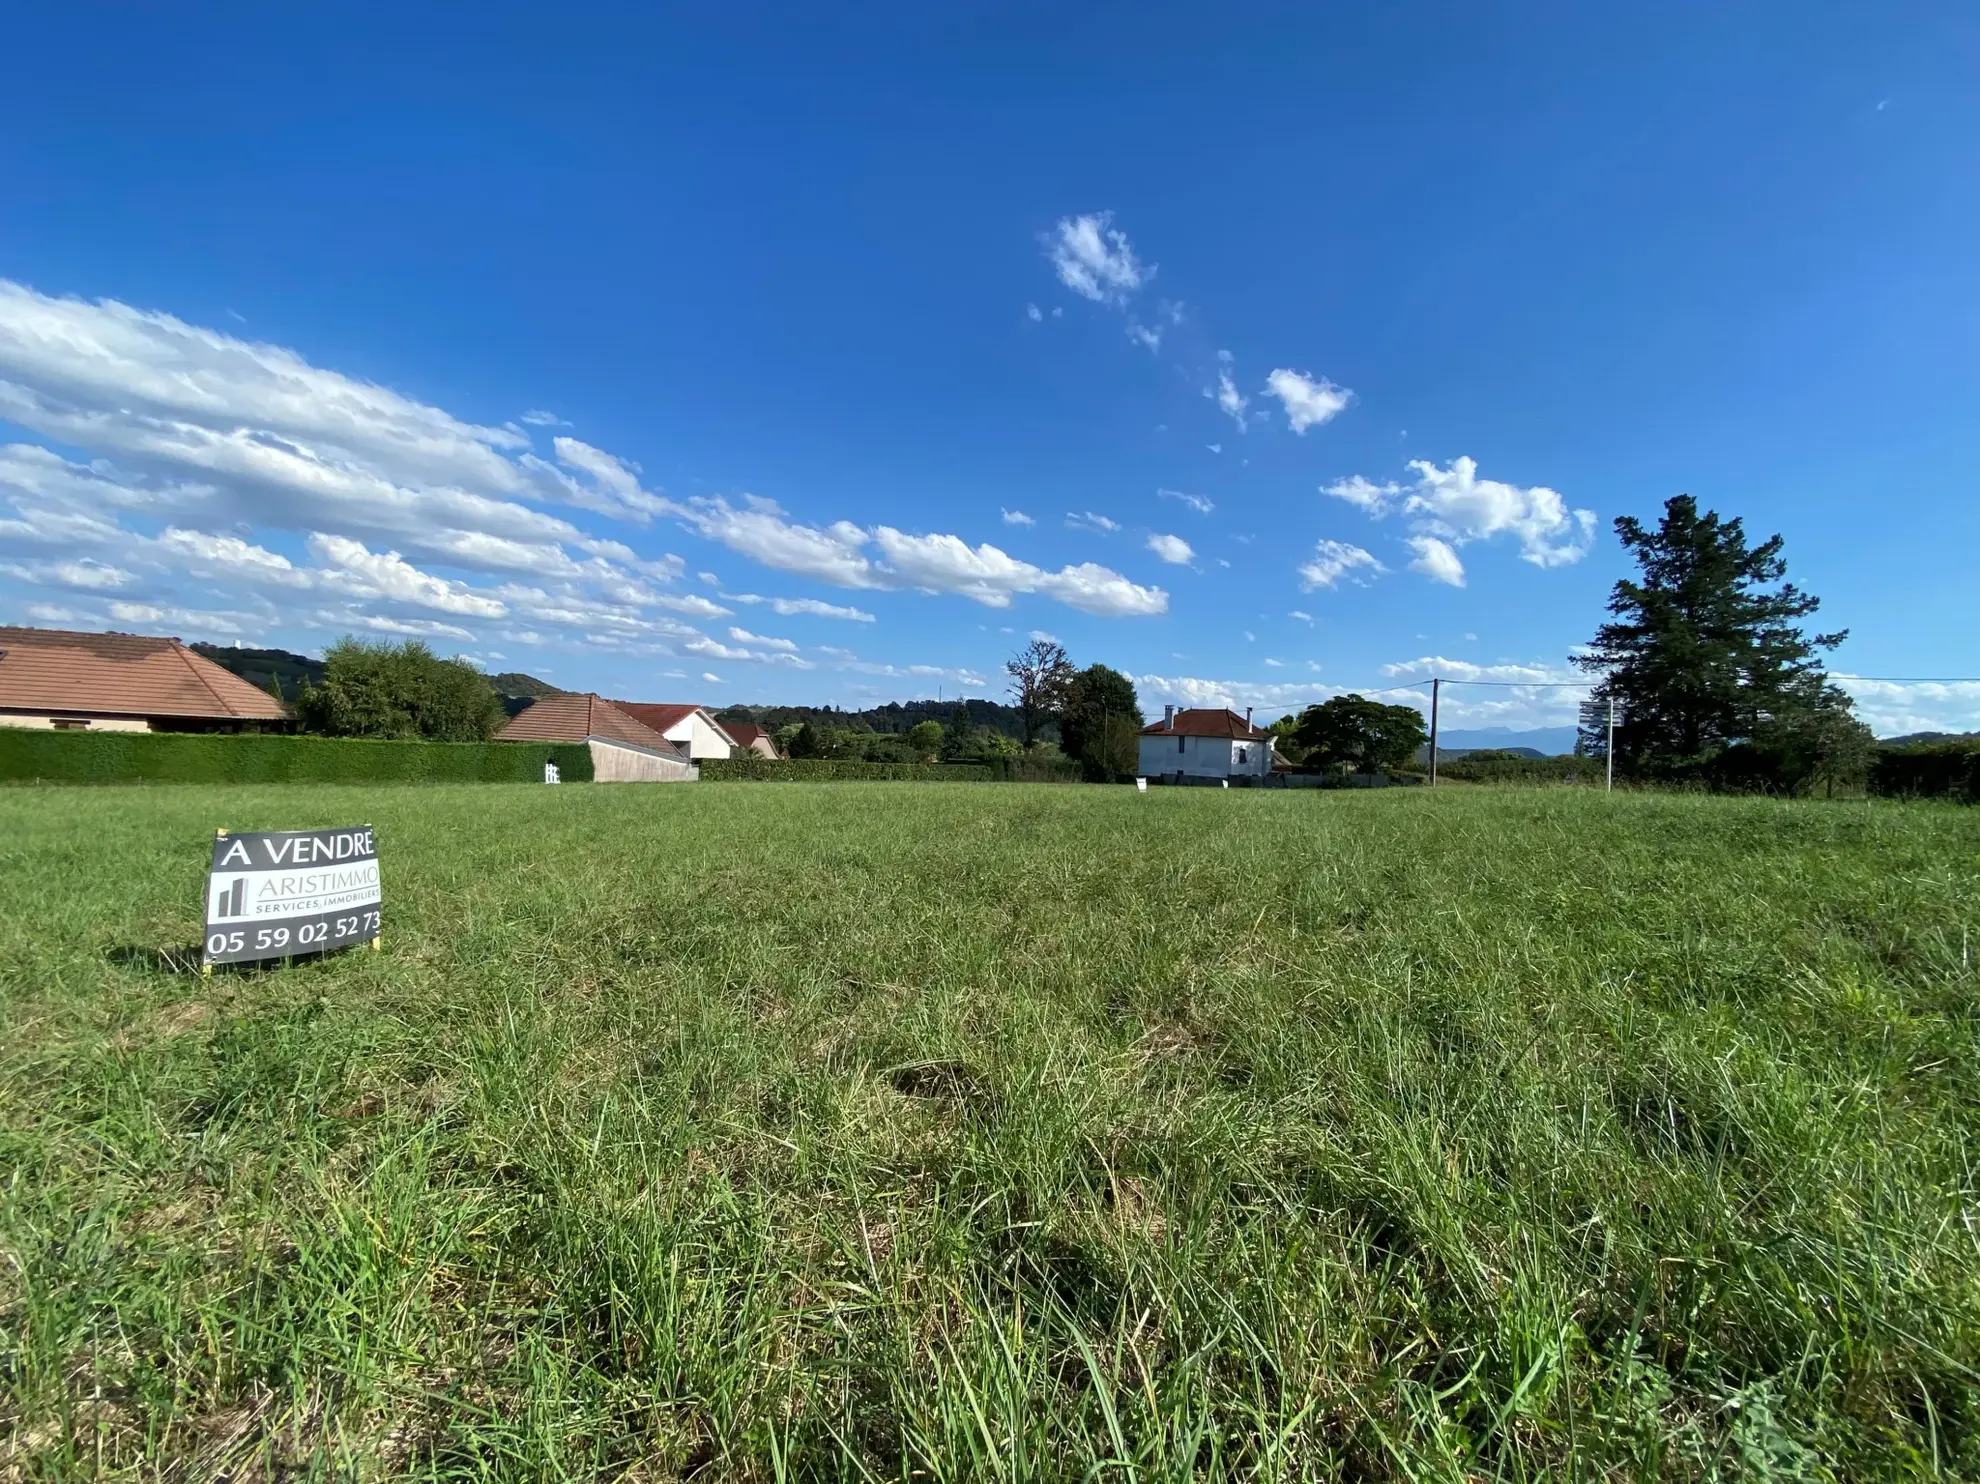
[877, 1130]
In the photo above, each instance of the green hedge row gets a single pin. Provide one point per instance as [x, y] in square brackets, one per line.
[820, 770]
[1500, 767]
[219, 757]
[1929, 770]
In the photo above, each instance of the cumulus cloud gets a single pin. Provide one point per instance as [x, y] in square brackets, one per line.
[1087, 520]
[1172, 549]
[350, 568]
[1033, 313]
[84, 575]
[1308, 403]
[536, 417]
[839, 554]
[1142, 335]
[1094, 259]
[1198, 503]
[1454, 506]
[1895, 708]
[1017, 518]
[1436, 560]
[1333, 560]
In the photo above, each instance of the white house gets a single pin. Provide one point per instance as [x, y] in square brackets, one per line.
[694, 729]
[1200, 745]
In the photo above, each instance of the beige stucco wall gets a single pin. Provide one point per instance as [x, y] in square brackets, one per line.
[612, 763]
[700, 735]
[96, 723]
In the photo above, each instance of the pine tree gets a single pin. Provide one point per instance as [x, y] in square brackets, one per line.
[1704, 651]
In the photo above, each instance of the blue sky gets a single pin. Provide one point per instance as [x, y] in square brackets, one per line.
[687, 355]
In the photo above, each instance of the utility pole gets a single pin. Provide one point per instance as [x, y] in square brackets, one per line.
[1435, 687]
[1610, 749]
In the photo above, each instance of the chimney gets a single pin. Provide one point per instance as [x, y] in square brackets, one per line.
[1247, 716]
[1168, 718]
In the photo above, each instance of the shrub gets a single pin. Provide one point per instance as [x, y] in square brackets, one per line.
[223, 757]
[1929, 770]
[819, 770]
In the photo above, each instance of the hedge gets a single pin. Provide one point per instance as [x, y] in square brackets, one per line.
[1503, 767]
[825, 770]
[1928, 770]
[223, 757]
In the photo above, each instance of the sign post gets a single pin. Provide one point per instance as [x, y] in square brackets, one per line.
[274, 894]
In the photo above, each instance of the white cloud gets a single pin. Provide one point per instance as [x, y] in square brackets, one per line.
[1172, 549]
[1276, 664]
[1086, 520]
[1430, 666]
[1229, 400]
[1043, 636]
[1303, 617]
[1214, 447]
[1436, 560]
[935, 563]
[1197, 503]
[712, 679]
[363, 573]
[1017, 518]
[380, 623]
[744, 636]
[1033, 313]
[1142, 335]
[811, 607]
[1454, 505]
[1333, 560]
[1308, 403]
[692, 604]
[1893, 708]
[536, 417]
[1094, 259]
[85, 575]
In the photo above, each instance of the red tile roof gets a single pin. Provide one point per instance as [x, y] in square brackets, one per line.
[745, 733]
[52, 670]
[572, 717]
[1208, 722]
[661, 716]
[655, 715]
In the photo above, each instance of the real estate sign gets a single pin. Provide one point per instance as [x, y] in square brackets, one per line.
[275, 893]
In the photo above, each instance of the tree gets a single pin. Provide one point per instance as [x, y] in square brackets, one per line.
[1704, 652]
[1099, 707]
[955, 736]
[1352, 734]
[924, 738]
[1285, 737]
[805, 742]
[399, 690]
[1040, 673]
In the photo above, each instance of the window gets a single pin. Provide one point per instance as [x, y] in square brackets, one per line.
[1179, 743]
[1243, 755]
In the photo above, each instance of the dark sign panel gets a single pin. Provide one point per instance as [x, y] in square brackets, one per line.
[283, 892]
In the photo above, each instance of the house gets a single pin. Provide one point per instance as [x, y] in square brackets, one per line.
[693, 728]
[752, 740]
[70, 682]
[622, 750]
[1203, 746]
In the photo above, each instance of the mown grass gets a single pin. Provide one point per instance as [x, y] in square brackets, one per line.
[877, 1131]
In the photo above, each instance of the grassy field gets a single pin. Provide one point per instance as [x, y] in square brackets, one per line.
[998, 1132]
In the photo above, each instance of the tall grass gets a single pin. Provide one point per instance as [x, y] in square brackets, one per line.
[878, 1131]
